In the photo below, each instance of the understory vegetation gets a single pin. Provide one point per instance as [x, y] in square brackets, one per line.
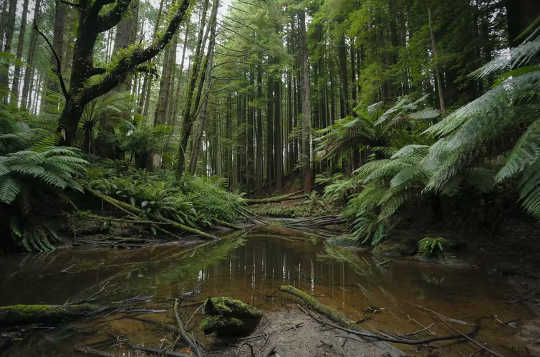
[477, 159]
[383, 111]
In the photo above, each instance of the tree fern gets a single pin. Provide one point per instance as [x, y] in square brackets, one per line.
[32, 171]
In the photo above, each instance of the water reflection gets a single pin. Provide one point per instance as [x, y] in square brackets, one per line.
[252, 269]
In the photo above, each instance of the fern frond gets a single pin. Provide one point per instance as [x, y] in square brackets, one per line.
[515, 57]
[9, 189]
[525, 152]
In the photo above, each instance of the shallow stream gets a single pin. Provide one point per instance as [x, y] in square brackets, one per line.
[252, 267]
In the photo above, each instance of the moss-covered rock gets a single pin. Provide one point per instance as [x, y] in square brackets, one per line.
[229, 317]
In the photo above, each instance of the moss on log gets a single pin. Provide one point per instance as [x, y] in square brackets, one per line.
[137, 212]
[50, 314]
[314, 304]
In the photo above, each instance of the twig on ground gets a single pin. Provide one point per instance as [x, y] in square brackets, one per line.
[192, 343]
[93, 351]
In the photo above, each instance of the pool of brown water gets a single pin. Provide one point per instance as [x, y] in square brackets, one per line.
[252, 268]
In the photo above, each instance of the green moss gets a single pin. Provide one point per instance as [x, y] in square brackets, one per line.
[26, 314]
[229, 317]
[225, 306]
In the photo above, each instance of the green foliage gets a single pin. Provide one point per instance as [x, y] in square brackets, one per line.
[33, 173]
[503, 121]
[432, 247]
[492, 139]
[193, 201]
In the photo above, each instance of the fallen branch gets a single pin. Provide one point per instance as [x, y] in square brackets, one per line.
[157, 351]
[93, 351]
[183, 332]
[313, 303]
[379, 337]
[351, 327]
[442, 318]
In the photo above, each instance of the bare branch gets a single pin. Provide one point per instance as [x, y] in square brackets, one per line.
[58, 63]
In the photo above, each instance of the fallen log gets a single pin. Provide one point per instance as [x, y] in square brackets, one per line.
[325, 310]
[290, 196]
[136, 212]
[49, 314]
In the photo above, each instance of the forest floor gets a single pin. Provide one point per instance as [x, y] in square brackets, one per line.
[293, 333]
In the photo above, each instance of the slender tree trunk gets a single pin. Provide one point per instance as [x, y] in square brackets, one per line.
[306, 107]
[8, 39]
[29, 72]
[193, 100]
[436, 66]
[342, 56]
[270, 130]
[278, 147]
[260, 160]
[148, 79]
[20, 46]
[180, 76]
[166, 78]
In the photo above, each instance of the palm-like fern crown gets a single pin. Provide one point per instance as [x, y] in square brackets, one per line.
[505, 121]
[494, 138]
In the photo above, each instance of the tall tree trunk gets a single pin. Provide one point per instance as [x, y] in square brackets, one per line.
[29, 72]
[166, 78]
[193, 100]
[269, 130]
[8, 39]
[180, 76]
[20, 46]
[306, 106]
[342, 56]
[278, 146]
[203, 117]
[259, 154]
[147, 85]
[436, 65]
[48, 104]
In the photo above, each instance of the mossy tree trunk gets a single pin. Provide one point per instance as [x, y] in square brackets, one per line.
[88, 82]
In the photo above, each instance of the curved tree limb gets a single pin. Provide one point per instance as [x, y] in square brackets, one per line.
[112, 17]
[137, 56]
[58, 63]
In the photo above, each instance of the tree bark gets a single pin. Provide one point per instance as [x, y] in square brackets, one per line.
[20, 46]
[189, 112]
[29, 72]
[8, 39]
[91, 23]
[436, 66]
[306, 107]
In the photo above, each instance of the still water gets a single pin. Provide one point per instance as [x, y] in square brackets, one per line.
[252, 267]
